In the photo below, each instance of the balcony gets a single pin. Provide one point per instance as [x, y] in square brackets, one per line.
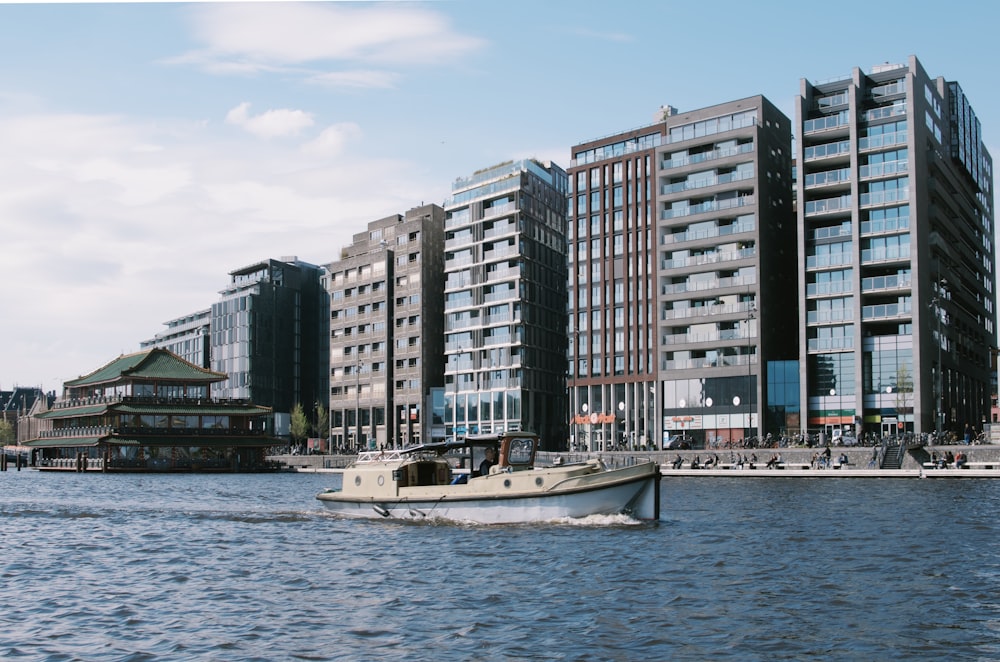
[706, 182]
[887, 254]
[722, 231]
[882, 198]
[834, 316]
[830, 344]
[839, 150]
[886, 311]
[709, 258]
[838, 123]
[887, 169]
[829, 288]
[882, 141]
[828, 205]
[885, 283]
[702, 285]
[829, 260]
[693, 159]
[707, 206]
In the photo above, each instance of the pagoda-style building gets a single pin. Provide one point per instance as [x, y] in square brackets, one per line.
[151, 411]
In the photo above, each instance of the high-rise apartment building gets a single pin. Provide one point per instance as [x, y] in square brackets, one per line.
[386, 337]
[896, 254]
[268, 336]
[682, 247]
[188, 337]
[726, 272]
[505, 302]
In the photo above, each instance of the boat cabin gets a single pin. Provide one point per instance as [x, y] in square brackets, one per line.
[431, 463]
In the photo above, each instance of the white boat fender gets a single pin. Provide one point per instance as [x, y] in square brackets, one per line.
[380, 510]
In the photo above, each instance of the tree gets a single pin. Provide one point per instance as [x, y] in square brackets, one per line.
[322, 421]
[299, 426]
[6, 432]
[904, 391]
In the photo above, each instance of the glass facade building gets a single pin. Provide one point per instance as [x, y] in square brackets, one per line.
[505, 302]
[265, 337]
[896, 253]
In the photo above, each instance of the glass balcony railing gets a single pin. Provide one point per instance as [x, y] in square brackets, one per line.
[707, 206]
[681, 161]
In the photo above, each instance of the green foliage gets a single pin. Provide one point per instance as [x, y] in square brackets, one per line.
[6, 432]
[322, 421]
[299, 426]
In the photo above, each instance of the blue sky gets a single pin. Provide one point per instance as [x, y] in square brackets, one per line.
[149, 149]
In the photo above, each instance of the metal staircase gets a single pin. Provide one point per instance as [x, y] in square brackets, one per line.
[892, 455]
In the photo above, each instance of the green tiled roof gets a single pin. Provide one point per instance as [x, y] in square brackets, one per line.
[221, 441]
[153, 364]
[73, 412]
[207, 409]
[63, 442]
[193, 410]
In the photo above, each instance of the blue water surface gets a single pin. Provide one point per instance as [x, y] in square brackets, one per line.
[250, 567]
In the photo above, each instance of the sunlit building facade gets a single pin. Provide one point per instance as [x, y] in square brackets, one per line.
[386, 339]
[896, 254]
[505, 302]
[682, 249]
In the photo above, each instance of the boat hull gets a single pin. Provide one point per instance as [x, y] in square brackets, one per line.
[633, 491]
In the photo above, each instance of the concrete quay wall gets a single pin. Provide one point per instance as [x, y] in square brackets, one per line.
[857, 457]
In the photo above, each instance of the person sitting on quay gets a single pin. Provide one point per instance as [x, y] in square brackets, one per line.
[753, 460]
[696, 462]
[842, 460]
[679, 462]
[960, 460]
[949, 459]
[772, 463]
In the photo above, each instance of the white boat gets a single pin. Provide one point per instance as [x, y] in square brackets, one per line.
[431, 481]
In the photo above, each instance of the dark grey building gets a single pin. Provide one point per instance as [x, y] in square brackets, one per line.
[896, 253]
[268, 335]
[386, 332]
[682, 279]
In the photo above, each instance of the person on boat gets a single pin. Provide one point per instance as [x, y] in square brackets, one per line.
[489, 461]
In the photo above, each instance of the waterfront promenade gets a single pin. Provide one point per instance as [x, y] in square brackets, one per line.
[983, 461]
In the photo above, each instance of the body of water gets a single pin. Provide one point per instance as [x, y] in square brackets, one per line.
[249, 567]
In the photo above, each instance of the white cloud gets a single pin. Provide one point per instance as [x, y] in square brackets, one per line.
[241, 38]
[333, 139]
[271, 123]
[113, 226]
[355, 79]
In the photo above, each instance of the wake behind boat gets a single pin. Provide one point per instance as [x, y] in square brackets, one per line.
[421, 482]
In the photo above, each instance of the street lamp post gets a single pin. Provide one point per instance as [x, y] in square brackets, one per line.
[357, 410]
[938, 309]
[750, 384]
[621, 408]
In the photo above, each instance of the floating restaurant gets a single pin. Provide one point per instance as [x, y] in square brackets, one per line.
[150, 411]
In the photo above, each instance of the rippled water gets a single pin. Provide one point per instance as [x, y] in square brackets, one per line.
[249, 567]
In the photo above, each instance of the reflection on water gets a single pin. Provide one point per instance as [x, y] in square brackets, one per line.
[242, 567]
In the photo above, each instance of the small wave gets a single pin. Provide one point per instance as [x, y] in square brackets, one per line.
[619, 519]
